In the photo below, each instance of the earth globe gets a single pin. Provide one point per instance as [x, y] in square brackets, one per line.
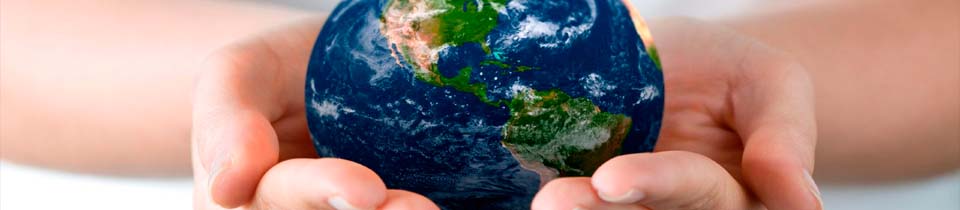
[476, 104]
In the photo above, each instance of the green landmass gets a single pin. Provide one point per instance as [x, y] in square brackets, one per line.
[503, 65]
[571, 135]
[655, 56]
[461, 82]
[467, 22]
[525, 68]
[497, 63]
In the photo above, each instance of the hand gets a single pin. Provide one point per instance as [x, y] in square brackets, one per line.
[249, 114]
[738, 133]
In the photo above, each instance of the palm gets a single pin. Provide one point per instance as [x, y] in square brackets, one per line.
[701, 128]
[276, 62]
[738, 131]
[251, 141]
[698, 107]
[709, 78]
[737, 102]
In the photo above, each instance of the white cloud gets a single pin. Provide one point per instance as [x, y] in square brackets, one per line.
[532, 27]
[327, 109]
[517, 5]
[595, 85]
[648, 93]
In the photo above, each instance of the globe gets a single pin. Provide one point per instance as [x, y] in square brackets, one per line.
[477, 103]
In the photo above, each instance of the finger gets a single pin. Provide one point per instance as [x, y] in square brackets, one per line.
[405, 200]
[776, 120]
[232, 129]
[574, 193]
[325, 183]
[237, 150]
[241, 91]
[669, 180]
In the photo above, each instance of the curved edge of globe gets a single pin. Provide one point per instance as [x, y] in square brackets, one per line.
[648, 42]
[316, 55]
[644, 32]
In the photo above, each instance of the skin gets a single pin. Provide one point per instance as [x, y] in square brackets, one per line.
[55, 132]
[740, 112]
[737, 111]
[251, 146]
[887, 81]
[104, 87]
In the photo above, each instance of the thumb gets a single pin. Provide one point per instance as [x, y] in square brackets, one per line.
[234, 152]
[775, 118]
[669, 180]
[234, 141]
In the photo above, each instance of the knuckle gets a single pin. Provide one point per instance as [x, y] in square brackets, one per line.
[231, 61]
[767, 165]
[221, 60]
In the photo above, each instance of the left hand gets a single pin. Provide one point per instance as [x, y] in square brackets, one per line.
[251, 145]
[738, 133]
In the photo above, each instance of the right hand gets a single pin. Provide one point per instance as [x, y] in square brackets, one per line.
[248, 116]
[739, 132]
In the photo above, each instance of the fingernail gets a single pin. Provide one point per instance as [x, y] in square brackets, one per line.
[813, 187]
[630, 197]
[220, 164]
[340, 203]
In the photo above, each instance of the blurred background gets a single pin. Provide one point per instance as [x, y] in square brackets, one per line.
[26, 187]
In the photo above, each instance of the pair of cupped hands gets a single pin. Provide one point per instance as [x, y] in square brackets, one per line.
[738, 133]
